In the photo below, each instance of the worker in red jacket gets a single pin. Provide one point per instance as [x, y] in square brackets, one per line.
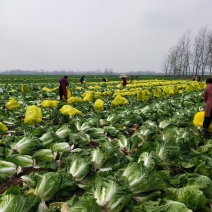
[62, 87]
[208, 107]
[124, 80]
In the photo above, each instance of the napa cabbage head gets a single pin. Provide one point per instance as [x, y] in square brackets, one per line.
[63, 131]
[79, 167]
[99, 157]
[167, 151]
[43, 155]
[61, 147]
[7, 168]
[47, 185]
[147, 158]
[21, 160]
[141, 179]
[95, 133]
[124, 143]
[47, 138]
[26, 145]
[110, 195]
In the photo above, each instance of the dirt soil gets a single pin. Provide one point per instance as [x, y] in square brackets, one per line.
[130, 130]
[16, 179]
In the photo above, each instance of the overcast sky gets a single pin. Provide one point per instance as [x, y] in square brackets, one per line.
[123, 35]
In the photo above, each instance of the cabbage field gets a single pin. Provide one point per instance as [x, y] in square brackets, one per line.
[107, 149]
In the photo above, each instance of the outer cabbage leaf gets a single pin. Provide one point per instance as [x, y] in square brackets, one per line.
[190, 195]
[203, 182]
[79, 138]
[146, 197]
[12, 203]
[31, 202]
[86, 203]
[111, 130]
[167, 206]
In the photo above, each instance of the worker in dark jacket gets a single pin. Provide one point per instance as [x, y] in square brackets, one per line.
[82, 79]
[62, 87]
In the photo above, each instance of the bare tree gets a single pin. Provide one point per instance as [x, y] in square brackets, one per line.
[201, 51]
[209, 62]
[185, 55]
[177, 62]
[206, 51]
[190, 57]
[196, 55]
[165, 65]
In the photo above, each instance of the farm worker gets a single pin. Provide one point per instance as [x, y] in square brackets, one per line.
[104, 79]
[195, 77]
[124, 80]
[207, 95]
[82, 80]
[132, 81]
[62, 87]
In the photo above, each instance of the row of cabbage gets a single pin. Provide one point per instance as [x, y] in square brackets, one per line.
[141, 156]
[79, 94]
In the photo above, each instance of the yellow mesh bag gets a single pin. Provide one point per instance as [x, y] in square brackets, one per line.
[12, 104]
[69, 93]
[49, 103]
[107, 93]
[157, 92]
[55, 89]
[143, 95]
[68, 110]
[119, 100]
[74, 99]
[25, 88]
[3, 128]
[198, 120]
[99, 105]
[47, 89]
[33, 115]
[120, 85]
[88, 96]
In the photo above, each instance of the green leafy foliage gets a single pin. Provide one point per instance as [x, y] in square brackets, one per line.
[144, 156]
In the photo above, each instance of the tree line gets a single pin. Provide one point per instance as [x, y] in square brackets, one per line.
[191, 55]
